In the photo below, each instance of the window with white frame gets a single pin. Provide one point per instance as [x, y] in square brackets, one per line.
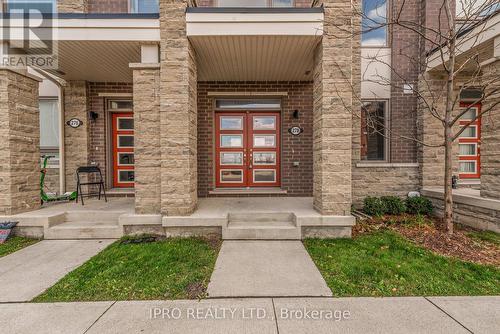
[49, 129]
[374, 23]
[374, 131]
[144, 6]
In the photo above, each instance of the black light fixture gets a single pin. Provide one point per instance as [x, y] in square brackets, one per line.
[93, 115]
[296, 114]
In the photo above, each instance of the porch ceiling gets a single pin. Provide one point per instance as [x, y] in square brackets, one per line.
[97, 60]
[255, 58]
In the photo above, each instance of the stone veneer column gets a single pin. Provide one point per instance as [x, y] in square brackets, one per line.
[332, 115]
[490, 138]
[147, 138]
[20, 143]
[76, 141]
[72, 6]
[431, 132]
[178, 112]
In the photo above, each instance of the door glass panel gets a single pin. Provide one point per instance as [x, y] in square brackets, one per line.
[125, 159]
[264, 141]
[264, 175]
[264, 123]
[125, 124]
[467, 149]
[264, 158]
[125, 141]
[468, 167]
[126, 176]
[231, 140]
[231, 123]
[231, 176]
[469, 115]
[231, 158]
[470, 132]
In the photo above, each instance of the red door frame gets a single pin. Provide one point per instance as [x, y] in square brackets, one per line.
[477, 141]
[247, 132]
[116, 150]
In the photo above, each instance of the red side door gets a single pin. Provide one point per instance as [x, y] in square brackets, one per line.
[470, 144]
[123, 150]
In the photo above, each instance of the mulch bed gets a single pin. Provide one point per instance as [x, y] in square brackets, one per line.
[433, 237]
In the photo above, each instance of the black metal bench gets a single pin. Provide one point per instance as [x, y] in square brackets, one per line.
[89, 171]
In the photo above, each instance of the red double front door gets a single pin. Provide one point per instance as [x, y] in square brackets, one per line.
[247, 149]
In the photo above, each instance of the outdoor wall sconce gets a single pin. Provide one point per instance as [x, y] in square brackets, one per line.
[296, 114]
[93, 115]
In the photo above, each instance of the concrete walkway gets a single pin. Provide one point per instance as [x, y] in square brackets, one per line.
[265, 269]
[261, 316]
[28, 272]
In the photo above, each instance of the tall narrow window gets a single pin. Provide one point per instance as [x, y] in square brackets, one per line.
[49, 129]
[374, 131]
[373, 23]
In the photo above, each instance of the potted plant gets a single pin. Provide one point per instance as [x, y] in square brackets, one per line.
[5, 229]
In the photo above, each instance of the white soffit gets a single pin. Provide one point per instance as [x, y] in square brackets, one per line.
[252, 24]
[254, 58]
[97, 60]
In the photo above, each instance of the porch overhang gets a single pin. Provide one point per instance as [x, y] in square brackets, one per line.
[254, 44]
[480, 41]
[100, 47]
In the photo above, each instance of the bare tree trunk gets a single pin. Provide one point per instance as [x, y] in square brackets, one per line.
[448, 174]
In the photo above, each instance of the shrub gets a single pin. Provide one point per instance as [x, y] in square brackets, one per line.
[419, 206]
[374, 206]
[393, 205]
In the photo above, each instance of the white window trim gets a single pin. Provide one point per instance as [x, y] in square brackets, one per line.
[125, 170]
[469, 119]
[118, 159]
[118, 141]
[257, 116]
[228, 116]
[263, 135]
[224, 164]
[231, 170]
[470, 126]
[263, 164]
[229, 134]
[469, 173]
[118, 124]
[468, 155]
[261, 169]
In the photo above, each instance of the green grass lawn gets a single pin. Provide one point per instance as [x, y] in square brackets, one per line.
[385, 264]
[168, 269]
[14, 244]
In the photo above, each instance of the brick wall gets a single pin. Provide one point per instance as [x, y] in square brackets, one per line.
[98, 134]
[405, 51]
[108, 6]
[296, 180]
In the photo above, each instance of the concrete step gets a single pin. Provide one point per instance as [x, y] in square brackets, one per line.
[93, 215]
[258, 230]
[84, 230]
[262, 217]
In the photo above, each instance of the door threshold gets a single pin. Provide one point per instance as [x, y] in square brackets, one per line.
[251, 191]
